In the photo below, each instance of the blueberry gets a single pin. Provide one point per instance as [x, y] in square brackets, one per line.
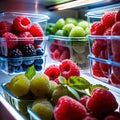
[38, 41]
[15, 69]
[38, 62]
[39, 51]
[15, 62]
[38, 68]
[28, 61]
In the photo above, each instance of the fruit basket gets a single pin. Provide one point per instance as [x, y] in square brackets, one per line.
[74, 48]
[104, 44]
[21, 38]
[18, 103]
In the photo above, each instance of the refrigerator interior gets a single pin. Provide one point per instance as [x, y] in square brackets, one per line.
[48, 8]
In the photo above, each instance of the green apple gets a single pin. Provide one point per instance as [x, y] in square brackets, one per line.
[84, 24]
[67, 28]
[71, 20]
[87, 31]
[60, 23]
[77, 31]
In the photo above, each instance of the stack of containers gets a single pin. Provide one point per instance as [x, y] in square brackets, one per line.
[22, 41]
[104, 43]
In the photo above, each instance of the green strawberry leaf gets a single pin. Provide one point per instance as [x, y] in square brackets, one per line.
[30, 72]
[74, 92]
[78, 83]
[91, 88]
[62, 80]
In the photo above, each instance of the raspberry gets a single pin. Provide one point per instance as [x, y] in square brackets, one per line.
[97, 28]
[84, 99]
[65, 55]
[56, 54]
[21, 23]
[117, 17]
[68, 108]
[69, 68]
[107, 31]
[102, 102]
[53, 47]
[111, 117]
[52, 72]
[11, 40]
[28, 50]
[5, 27]
[15, 53]
[36, 30]
[115, 30]
[57, 81]
[114, 79]
[108, 19]
[25, 38]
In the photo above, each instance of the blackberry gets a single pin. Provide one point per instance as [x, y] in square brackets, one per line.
[28, 50]
[15, 53]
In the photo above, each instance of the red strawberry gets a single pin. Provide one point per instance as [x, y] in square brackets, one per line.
[97, 28]
[68, 108]
[115, 30]
[21, 23]
[5, 26]
[102, 102]
[52, 71]
[114, 79]
[69, 68]
[65, 55]
[11, 40]
[117, 17]
[108, 19]
[36, 30]
[26, 38]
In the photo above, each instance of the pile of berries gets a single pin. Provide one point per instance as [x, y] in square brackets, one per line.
[103, 48]
[22, 38]
[58, 50]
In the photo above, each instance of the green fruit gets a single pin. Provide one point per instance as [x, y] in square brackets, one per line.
[43, 108]
[53, 85]
[19, 85]
[67, 28]
[77, 32]
[40, 85]
[87, 31]
[71, 20]
[60, 23]
[59, 33]
[51, 28]
[83, 24]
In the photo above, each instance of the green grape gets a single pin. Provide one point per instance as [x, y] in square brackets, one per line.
[77, 32]
[43, 108]
[60, 23]
[84, 24]
[19, 85]
[71, 20]
[40, 85]
[59, 33]
[67, 28]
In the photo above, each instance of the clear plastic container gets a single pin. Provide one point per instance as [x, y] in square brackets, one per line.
[74, 48]
[19, 104]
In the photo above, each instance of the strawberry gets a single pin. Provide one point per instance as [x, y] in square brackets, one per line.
[36, 30]
[5, 26]
[115, 30]
[11, 40]
[21, 23]
[69, 68]
[108, 19]
[117, 17]
[52, 71]
[68, 108]
[56, 54]
[26, 38]
[97, 28]
[102, 102]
